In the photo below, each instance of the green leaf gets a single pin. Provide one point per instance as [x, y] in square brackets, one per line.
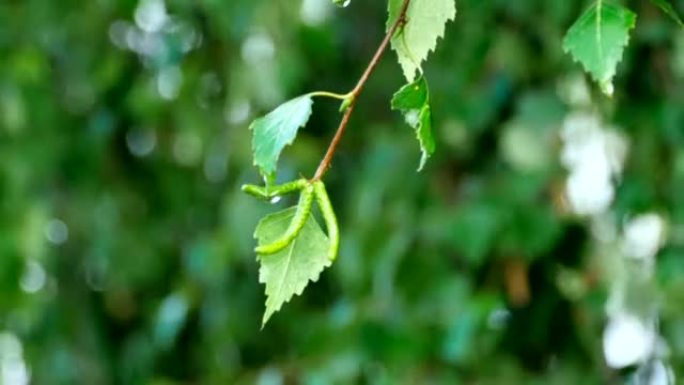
[598, 39]
[289, 271]
[276, 130]
[412, 96]
[426, 20]
[413, 100]
[666, 7]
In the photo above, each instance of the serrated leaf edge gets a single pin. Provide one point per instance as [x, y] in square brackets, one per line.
[602, 82]
[292, 245]
[298, 292]
[418, 64]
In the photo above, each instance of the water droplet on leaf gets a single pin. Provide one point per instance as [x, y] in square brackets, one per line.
[275, 199]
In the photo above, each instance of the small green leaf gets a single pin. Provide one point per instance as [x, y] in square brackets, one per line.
[289, 271]
[426, 20]
[413, 100]
[412, 96]
[276, 130]
[666, 7]
[598, 39]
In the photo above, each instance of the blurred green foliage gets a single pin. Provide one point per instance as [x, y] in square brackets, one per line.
[126, 249]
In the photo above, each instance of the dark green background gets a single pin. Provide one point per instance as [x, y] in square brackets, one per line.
[157, 282]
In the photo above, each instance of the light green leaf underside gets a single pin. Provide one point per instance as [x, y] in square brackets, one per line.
[289, 271]
[666, 7]
[413, 100]
[271, 133]
[426, 24]
[598, 39]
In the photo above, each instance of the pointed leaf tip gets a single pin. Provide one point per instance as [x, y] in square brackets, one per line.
[426, 24]
[597, 40]
[288, 272]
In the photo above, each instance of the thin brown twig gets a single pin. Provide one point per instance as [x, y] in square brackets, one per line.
[353, 95]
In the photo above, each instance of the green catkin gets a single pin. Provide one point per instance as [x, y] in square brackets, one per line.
[255, 191]
[298, 221]
[329, 217]
[268, 193]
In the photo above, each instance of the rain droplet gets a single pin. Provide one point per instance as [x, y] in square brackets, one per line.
[275, 199]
